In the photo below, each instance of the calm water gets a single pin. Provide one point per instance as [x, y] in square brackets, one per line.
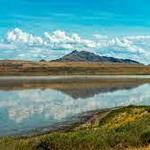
[40, 106]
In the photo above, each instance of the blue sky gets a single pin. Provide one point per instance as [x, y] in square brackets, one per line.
[116, 27]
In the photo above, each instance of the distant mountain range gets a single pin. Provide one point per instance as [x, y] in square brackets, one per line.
[84, 56]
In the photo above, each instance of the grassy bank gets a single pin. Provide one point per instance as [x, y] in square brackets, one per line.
[125, 128]
[70, 68]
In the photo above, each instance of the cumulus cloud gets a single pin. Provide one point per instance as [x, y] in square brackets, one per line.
[31, 46]
[57, 39]
[17, 35]
[139, 37]
[7, 46]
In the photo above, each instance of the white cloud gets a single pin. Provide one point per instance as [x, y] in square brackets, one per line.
[6, 46]
[139, 37]
[57, 39]
[17, 35]
[28, 45]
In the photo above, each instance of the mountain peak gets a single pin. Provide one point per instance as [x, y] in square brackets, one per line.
[85, 56]
[74, 51]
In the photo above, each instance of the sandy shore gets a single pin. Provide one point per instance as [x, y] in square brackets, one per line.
[74, 77]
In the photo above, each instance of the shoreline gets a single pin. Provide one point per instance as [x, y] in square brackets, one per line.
[61, 77]
[62, 127]
[99, 129]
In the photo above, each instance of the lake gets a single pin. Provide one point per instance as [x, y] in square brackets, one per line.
[40, 104]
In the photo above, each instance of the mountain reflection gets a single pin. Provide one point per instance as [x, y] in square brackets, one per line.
[77, 89]
[26, 106]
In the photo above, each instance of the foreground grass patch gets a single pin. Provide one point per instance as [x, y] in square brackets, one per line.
[125, 128]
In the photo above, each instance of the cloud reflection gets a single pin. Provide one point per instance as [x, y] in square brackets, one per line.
[47, 107]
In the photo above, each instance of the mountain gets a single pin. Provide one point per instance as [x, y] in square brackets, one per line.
[84, 56]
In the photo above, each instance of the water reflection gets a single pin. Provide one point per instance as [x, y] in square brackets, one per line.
[26, 106]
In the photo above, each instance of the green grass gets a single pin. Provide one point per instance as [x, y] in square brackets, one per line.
[124, 128]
